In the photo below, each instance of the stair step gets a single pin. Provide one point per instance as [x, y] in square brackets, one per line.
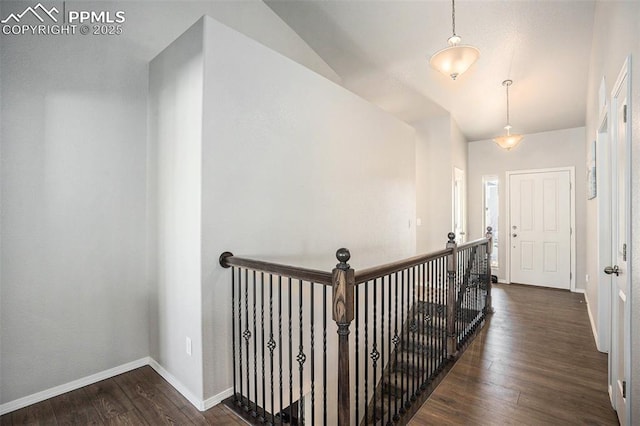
[430, 348]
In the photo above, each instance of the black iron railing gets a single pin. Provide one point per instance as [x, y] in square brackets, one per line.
[394, 330]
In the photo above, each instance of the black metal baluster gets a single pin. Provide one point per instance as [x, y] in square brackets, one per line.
[264, 390]
[405, 345]
[290, 355]
[396, 340]
[412, 273]
[254, 412]
[366, 351]
[442, 335]
[357, 327]
[375, 355]
[271, 345]
[382, 364]
[324, 356]
[433, 323]
[388, 368]
[407, 280]
[313, 357]
[281, 394]
[233, 332]
[301, 357]
[421, 327]
[247, 336]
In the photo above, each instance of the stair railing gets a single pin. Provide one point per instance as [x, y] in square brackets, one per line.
[410, 320]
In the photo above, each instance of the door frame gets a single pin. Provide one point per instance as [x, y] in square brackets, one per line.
[459, 175]
[618, 88]
[572, 217]
[602, 331]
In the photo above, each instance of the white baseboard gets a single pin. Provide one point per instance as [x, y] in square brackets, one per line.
[106, 374]
[73, 385]
[594, 329]
[580, 290]
[217, 399]
[194, 400]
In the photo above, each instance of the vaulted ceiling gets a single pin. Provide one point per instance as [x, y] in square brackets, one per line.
[381, 50]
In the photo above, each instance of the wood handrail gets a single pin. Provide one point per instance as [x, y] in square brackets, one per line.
[227, 260]
[477, 242]
[380, 271]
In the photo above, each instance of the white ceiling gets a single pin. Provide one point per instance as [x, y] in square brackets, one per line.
[381, 51]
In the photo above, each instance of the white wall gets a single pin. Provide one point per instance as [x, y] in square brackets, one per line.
[558, 148]
[283, 178]
[75, 288]
[176, 82]
[294, 167]
[440, 146]
[615, 37]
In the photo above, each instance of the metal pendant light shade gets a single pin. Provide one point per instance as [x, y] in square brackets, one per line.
[508, 141]
[457, 58]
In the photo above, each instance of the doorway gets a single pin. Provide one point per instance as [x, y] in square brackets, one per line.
[540, 227]
[459, 206]
[618, 270]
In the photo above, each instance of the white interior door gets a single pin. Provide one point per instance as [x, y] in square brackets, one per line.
[459, 197]
[540, 228]
[619, 362]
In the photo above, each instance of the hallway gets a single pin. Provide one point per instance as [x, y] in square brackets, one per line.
[535, 362]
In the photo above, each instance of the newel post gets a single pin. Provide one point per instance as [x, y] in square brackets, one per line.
[452, 268]
[489, 302]
[343, 307]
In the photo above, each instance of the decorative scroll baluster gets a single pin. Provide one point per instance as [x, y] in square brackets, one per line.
[382, 364]
[240, 402]
[375, 355]
[301, 357]
[396, 340]
[366, 351]
[414, 331]
[247, 335]
[271, 345]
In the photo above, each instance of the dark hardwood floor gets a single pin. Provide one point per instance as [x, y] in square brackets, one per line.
[535, 363]
[139, 397]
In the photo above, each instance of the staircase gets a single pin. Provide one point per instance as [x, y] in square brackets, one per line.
[419, 357]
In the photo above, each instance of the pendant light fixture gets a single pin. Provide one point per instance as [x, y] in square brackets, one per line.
[457, 58]
[508, 141]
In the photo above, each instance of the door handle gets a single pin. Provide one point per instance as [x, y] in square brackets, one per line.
[612, 270]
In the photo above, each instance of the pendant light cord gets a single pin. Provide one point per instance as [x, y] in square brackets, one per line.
[453, 15]
[508, 122]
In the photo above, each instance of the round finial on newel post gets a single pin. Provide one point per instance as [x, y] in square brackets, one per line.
[223, 259]
[343, 257]
[451, 236]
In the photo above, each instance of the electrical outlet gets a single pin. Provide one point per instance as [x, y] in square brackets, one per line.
[188, 346]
